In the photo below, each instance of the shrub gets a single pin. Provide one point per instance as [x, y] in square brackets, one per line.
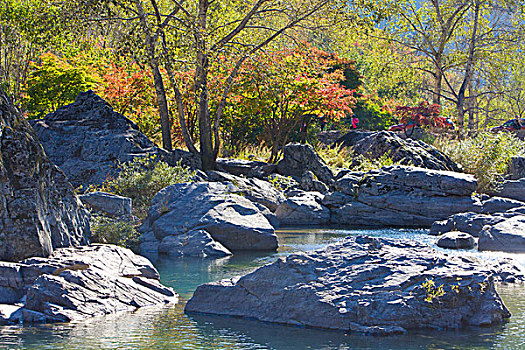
[336, 157]
[143, 177]
[112, 231]
[486, 156]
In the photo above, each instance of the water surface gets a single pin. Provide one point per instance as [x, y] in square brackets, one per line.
[170, 328]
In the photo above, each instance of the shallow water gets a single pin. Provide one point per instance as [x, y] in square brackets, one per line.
[170, 328]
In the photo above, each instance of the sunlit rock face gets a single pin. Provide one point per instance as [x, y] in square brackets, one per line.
[39, 211]
[77, 283]
[364, 284]
[87, 139]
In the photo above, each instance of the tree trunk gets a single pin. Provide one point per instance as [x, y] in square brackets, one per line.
[438, 80]
[162, 103]
[208, 157]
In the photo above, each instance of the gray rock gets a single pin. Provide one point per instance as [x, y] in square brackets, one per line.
[39, 210]
[512, 189]
[248, 168]
[517, 168]
[456, 240]
[196, 243]
[254, 189]
[406, 152]
[298, 159]
[87, 139]
[404, 196]
[107, 203]
[441, 226]
[336, 200]
[361, 284]
[304, 208]
[352, 137]
[77, 283]
[230, 219]
[500, 205]
[507, 236]
[469, 222]
[310, 183]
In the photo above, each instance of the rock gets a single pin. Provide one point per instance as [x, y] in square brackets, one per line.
[304, 208]
[517, 168]
[256, 190]
[196, 243]
[248, 168]
[406, 152]
[232, 220]
[405, 197]
[439, 227]
[328, 137]
[77, 283]
[107, 203]
[87, 139]
[500, 205]
[352, 137]
[310, 183]
[361, 284]
[336, 199]
[507, 236]
[506, 270]
[298, 159]
[39, 210]
[513, 190]
[456, 240]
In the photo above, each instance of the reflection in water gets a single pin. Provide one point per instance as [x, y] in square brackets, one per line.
[169, 328]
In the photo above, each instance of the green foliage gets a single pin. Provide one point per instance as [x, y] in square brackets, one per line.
[372, 116]
[281, 183]
[52, 84]
[142, 178]
[335, 157]
[362, 163]
[432, 292]
[486, 156]
[112, 231]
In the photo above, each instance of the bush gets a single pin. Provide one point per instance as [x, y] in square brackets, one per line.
[486, 156]
[142, 178]
[112, 231]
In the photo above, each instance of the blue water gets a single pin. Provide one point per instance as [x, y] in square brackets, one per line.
[169, 328]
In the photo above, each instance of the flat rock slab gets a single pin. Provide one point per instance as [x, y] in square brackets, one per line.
[364, 284]
[78, 283]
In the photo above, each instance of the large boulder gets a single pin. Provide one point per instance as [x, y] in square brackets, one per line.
[230, 219]
[507, 235]
[303, 209]
[299, 158]
[87, 139]
[77, 283]
[352, 137]
[406, 152]
[514, 189]
[39, 211]
[404, 196]
[254, 189]
[364, 284]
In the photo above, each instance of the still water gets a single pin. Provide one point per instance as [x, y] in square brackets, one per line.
[170, 328]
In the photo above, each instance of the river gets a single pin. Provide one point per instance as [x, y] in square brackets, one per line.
[169, 328]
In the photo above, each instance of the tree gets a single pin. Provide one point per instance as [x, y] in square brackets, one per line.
[454, 36]
[205, 30]
[52, 84]
[282, 90]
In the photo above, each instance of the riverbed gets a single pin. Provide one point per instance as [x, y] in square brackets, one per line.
[169, 328]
